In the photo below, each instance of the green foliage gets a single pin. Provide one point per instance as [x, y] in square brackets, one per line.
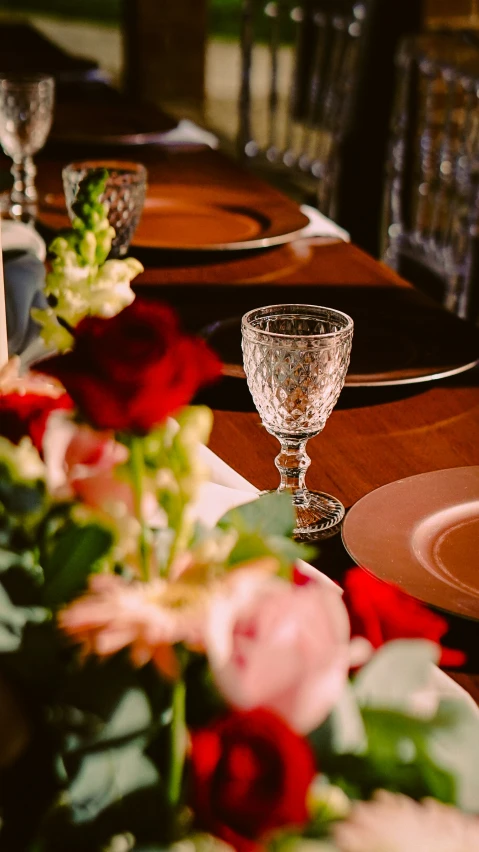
[13, 621]
[76, 553]
[397, 758]
[375, 738]
[264, 528]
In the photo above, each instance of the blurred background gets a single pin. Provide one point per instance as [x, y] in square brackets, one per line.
[189, 49]
[366, 109]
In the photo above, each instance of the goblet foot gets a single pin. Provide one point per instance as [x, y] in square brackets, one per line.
[318, 516]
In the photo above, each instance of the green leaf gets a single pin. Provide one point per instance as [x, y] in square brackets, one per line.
[26, 560]
[108, 720]
[348, 733]
[75, 556]
[264, 528]
[395, 674]
[454, 745]
[130, 718]
[397, 759]
[271, 514]
[402, 671]
[398, 751]
[105, 777]
[13, 620]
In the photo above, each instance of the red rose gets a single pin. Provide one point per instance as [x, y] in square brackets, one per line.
[128, 373]
[381, 612]
[251, 773]
[23, 415]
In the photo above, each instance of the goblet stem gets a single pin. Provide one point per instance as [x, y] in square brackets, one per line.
[317, 514]
[292, 462]
[24, 194]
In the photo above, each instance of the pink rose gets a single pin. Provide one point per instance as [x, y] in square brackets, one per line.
[81, 464]
[279, 646]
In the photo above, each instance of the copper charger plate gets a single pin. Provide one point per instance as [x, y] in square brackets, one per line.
[422, 534]
[197, 219]
[400, 338]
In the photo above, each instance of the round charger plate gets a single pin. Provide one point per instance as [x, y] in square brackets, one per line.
[388, 349]
[189, 219]
[422, 535]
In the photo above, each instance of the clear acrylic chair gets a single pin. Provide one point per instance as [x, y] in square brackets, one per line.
[300, 123]
[320, 125]
[431, 209]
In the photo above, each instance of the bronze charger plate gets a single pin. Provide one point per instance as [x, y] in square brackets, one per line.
[401, 337]
[186, 218]
[421, 534]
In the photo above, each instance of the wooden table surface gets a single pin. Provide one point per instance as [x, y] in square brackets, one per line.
[374, 435]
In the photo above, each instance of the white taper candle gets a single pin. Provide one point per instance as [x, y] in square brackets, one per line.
[3, 311]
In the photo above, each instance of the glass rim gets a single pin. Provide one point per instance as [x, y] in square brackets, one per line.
[31, 78]
[247, 327]
[121, 166]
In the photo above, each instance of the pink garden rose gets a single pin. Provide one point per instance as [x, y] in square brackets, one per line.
[81, 464]
[279, 646]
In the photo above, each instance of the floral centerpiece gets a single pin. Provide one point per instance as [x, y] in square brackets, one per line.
[165, 683]
[169, 683]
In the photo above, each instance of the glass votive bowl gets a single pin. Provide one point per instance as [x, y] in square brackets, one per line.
[124, 196]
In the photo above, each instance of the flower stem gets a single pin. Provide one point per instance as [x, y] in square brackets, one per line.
[137, 467]
[177, 742]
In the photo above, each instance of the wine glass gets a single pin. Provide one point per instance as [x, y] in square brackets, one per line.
[26, 112]
[124, 195]
[295, 359]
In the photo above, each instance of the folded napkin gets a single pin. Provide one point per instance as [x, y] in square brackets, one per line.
[188, 133]
[16, 236]
[321, 226]
[24, 252]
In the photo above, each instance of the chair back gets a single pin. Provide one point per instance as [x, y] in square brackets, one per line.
[319, 111]
[431, 210]
[299, 121]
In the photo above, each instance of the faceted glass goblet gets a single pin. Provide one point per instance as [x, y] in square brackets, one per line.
[124, 196]
[296, 359]
[26, 112]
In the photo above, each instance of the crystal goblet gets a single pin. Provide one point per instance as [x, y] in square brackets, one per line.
[296, 359]
[26, 112]
[124, 195]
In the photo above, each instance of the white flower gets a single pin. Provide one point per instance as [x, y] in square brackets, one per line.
[395, 823]
[22, 460]
[11, 381]
[201, 843]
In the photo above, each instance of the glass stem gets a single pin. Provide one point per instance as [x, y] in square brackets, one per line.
[292, 462]
[24, 190]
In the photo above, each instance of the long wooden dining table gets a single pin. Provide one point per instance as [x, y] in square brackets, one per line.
[375, 435]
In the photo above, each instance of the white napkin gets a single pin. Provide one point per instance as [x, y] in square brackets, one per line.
[187, 132]
[321, 226]
[24, 254]
[215, 500]
[222, 474]
[17, 236]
